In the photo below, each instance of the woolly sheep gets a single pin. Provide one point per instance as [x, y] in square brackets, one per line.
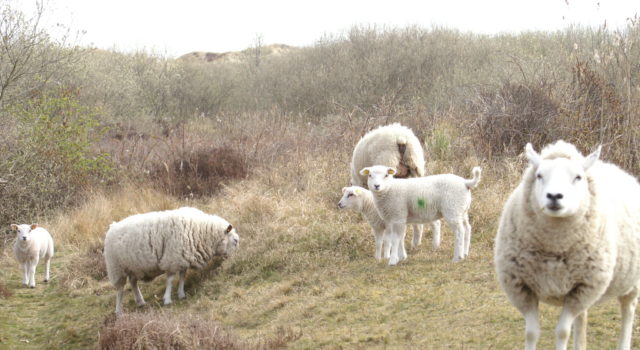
[424, 199]
[569, 236]
[32, 244]
[147, 245]
[392, 145]
[361, 200]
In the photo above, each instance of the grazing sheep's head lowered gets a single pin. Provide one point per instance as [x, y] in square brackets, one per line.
[378, 177]
[350, 198]
[560, 186]
[24, 231]
[231, 243]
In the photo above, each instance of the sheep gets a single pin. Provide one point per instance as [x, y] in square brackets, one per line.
[569, 236]
[424, 199]
[361, 200]
[392, 145]
[32, 244]
[147, 245]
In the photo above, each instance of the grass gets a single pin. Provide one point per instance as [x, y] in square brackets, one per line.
[303, 266]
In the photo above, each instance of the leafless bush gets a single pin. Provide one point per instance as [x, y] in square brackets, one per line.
[155, 330]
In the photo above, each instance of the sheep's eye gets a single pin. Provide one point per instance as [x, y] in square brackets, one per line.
[539, 176]
[349, 195]
[578, 178]
[387, 175]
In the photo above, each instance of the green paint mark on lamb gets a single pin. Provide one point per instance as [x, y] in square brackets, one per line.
[422, 203]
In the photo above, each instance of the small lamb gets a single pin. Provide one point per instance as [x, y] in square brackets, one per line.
[361, 200]
[420, 200]
[32, 244]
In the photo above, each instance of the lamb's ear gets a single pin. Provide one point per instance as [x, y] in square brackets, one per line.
[34, 226]
[391, 171]
[344, 189]
[14, 227]
[364, 172]
[592, 158]
[228, 229]
[532, 155]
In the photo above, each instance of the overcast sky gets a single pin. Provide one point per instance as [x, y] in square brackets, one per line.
[174, 28]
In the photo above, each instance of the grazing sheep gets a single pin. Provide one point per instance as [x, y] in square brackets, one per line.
[424, 199]
[144, 246]
[392, 145]
[32, 244]
[361, 200]
[569, 236]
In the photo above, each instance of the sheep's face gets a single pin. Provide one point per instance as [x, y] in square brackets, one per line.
[378, 177]
[351, 198]
[560, 188]
[232, 240]
[23, 231]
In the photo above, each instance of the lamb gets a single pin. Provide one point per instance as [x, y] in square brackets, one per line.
[361, 200]
[392, 145]
[147, 245]
[419, 200]
[569, 236]
[32, 244]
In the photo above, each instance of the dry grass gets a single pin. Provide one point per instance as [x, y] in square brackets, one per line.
[169, 330]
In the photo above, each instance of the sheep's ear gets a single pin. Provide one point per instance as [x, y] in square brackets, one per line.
[229, 228]
[34, 226]
[364, 171]
[14, 227]
[391, 171]
[592, 158]
[532, 155]
[344, 189]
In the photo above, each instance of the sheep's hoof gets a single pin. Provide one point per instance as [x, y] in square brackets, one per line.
[32, 286]
[182, 296]
[167, 302]
[46, 281]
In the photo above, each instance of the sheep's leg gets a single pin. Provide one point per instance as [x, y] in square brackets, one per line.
[32, 273]
[379, 236]
[182, 274]
[417, 235]
[467, 234]
[532, 327]
[47, 266]
[571, 310]
[167, 291]
[580, 332]
[397, 238]
[386, 239]
[119, 294]
[136, 291]
[435, 230]
[459, 231]
[25, 274]
[628, 305]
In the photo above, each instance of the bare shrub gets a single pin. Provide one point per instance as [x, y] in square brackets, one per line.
[155, 330]
[513, 115]
[5, 292]
[200, 173]
[88, 264]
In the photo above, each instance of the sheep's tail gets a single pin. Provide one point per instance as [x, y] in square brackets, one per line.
[472, 183]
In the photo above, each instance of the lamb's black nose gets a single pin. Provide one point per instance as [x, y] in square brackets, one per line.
[554, 197]
[377, 187]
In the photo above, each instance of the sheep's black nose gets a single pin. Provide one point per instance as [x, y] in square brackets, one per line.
[377, 187]
[24, 238]
[554, 197]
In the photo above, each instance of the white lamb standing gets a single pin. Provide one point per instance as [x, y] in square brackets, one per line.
[32, 244]
[147, 245]
[361, 200]
[396, 146]
[421, 200]
[569, 236]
